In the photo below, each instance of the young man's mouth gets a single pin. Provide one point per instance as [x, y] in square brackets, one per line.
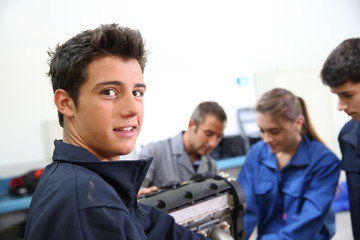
[124, 129]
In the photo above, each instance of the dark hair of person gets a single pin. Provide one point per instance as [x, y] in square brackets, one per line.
[68, 63]
[281, 103]
[343, 64]
[208, 108]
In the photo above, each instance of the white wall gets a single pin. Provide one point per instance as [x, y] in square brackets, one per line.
[198, 49]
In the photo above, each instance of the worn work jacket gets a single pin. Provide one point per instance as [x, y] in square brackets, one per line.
[292, 203]
[80, 197]
[350, 146]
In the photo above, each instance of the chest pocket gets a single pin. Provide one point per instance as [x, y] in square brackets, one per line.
[264, 186]
[295, 186]
[265, 193]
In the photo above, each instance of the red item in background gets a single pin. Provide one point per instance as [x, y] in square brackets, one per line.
[25, 184]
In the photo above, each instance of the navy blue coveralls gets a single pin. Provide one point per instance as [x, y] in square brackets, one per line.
[79, 197]
[349, 140]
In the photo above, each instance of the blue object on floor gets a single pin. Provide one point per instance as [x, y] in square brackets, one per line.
[341, 202]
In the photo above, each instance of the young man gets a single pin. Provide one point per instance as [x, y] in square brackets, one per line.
[341, 72]
[179, 158]
[86, 193]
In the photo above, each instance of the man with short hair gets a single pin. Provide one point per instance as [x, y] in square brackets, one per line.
[341, 72]
[86, 192]
[179, 158]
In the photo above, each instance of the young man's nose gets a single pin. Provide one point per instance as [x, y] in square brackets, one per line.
[342, 106]
[129, 106]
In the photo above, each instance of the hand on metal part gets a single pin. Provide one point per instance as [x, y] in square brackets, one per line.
[147, 190]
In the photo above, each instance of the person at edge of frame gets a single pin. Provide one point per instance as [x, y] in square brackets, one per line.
[341, 72]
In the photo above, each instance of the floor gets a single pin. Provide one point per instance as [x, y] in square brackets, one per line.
[343, 227]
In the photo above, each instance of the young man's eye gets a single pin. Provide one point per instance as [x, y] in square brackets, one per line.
[345, 95]
[109, 92]
[138, 93]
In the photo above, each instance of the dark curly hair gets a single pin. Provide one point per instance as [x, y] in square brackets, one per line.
[343, 64]
[68, 63]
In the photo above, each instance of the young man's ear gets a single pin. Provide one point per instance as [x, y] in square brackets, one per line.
[64, 103]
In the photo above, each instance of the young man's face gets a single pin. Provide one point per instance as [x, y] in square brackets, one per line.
[207, 135]
[349, 98]
[109, 114]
